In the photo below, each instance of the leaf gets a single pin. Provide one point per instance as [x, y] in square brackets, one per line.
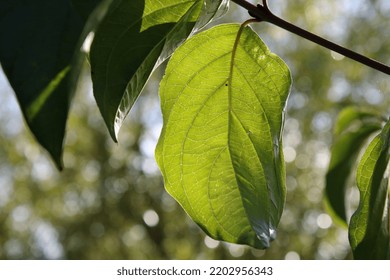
[369, 226]
[351, 131]
[38, 41]
[133, 39]
[220, 150]
[85, 7]
[351, 117]
[93, 19]
[212, 10]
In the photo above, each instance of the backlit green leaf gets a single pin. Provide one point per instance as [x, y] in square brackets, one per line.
[352, 129]
[134, 38]
[220, 150]
[369, 226]
[38, 40]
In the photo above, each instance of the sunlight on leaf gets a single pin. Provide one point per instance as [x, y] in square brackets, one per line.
[369, 227]
[36, 106]
[220, 148]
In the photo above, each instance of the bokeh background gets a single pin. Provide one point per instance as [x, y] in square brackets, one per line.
[110, 202]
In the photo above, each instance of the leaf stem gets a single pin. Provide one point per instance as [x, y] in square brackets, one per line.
[263, 13]
[243, 25]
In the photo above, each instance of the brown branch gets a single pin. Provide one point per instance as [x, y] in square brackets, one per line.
[263, 13]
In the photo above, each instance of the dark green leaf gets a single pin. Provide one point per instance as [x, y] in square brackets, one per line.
[133, 39]
[369, 226]
[84, 7]
[220, 150]
[352, 129]
[38, 42]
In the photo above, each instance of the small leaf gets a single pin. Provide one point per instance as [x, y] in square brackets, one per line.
[369, 226]
[220, 150]
[38, 41]
[351, 131]
[133, 39]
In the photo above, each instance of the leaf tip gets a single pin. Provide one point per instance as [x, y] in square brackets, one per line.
[113, 130]
[114, 135]
[57, 159]
[266, 237]
[60, 166]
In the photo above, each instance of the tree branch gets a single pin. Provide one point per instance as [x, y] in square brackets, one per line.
[263, 13]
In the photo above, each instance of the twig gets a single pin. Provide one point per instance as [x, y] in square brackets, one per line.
[263, 13]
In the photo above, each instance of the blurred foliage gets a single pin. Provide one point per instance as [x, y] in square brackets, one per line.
[110, 203]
